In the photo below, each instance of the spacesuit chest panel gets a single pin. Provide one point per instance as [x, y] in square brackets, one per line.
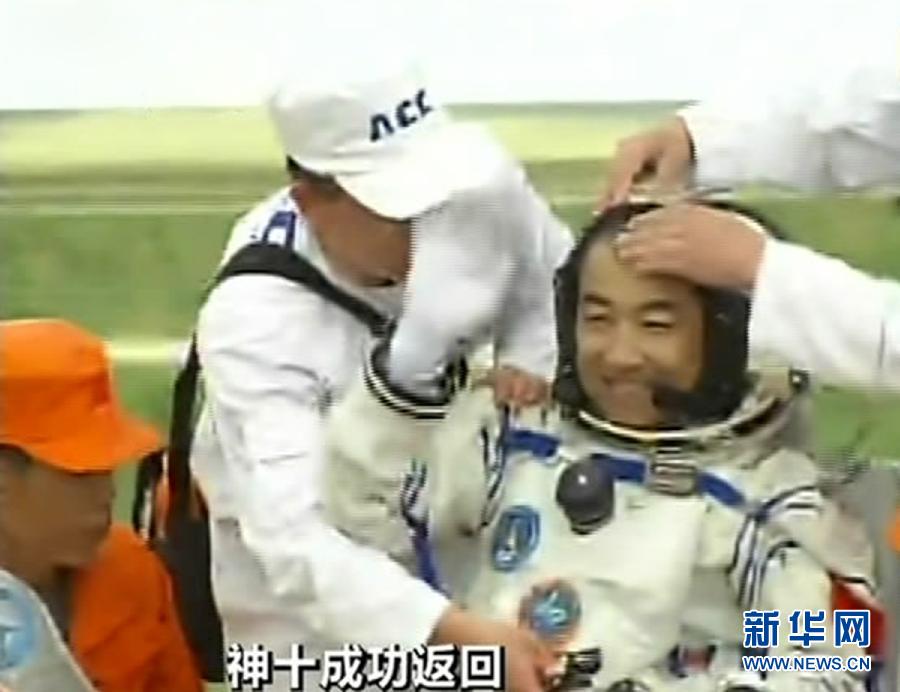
[620, 587]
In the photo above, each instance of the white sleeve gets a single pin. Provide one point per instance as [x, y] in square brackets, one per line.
[832, 125]
[261, 362]
[778, 563]
[482, 267]
[461, 269]
[526, 335]
[794, 581]
[821, 315]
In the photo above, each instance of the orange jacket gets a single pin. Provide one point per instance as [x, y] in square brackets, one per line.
[125, 631]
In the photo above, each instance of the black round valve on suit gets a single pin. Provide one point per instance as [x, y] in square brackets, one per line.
[586, 494]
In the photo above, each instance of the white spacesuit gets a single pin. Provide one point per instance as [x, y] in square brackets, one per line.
[633, 551]
[657, 579]
[649, 546]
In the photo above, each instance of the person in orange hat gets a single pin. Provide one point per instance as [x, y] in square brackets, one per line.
[62, 434]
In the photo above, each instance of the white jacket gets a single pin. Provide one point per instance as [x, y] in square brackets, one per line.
[833, 128]
[276, 356]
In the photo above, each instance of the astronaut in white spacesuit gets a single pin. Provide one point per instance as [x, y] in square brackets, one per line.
[632, 524]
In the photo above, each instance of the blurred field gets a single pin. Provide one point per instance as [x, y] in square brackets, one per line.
[116, 220]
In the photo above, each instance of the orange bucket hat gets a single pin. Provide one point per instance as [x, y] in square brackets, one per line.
[57, 400]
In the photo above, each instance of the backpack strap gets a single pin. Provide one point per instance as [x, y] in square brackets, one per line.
[143, 515]
[267, 258]
[255, 258]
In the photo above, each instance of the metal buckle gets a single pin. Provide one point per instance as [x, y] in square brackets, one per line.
[678, 477]
[580, 667]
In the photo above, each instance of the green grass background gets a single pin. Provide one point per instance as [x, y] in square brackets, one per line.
[116, 219]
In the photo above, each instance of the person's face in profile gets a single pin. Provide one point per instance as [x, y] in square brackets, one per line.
[365, 248]
[53, 518]
[633, 332]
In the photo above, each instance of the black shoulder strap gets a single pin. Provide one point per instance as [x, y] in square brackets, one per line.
[267, 258]
[255, 258]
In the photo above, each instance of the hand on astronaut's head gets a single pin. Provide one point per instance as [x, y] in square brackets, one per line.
[705, 246]
[530, 664]
[662, 155]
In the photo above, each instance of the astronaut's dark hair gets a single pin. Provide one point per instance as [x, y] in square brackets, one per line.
[723, 380]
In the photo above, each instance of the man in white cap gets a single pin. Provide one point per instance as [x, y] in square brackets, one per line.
[430, 223]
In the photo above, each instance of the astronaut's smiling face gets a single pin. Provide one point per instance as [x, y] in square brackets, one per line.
[633, 332]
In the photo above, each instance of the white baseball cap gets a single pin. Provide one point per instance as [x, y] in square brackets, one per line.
[378, 130]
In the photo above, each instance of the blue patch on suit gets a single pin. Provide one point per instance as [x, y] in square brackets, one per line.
[552, 610]
[515, 537]
[286, 223]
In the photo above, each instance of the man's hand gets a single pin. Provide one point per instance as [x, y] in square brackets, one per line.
[661, 156]
[529, 662]
[516, 388]
[702, 245]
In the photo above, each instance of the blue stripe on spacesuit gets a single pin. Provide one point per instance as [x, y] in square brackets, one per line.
[770, 506]
[755, 565]
[494, 456]
[628, 469]
[425, 560]
[759, 572]
[416, 517]
[746, 524]
[722, 490]
[748, 543]
[538, 444]
[763, 513]
[635, 471]
[744, 584]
